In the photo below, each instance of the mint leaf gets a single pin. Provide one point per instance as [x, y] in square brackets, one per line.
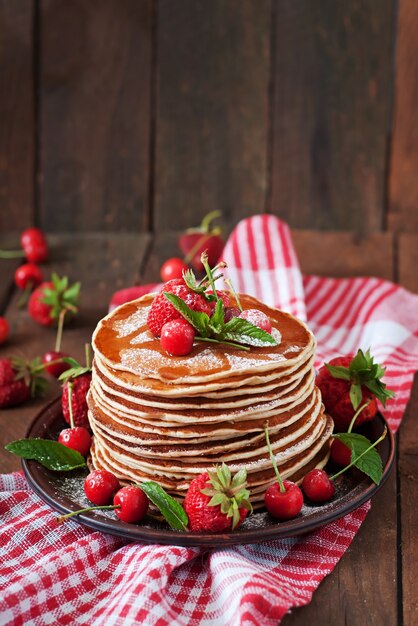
[198, 320]
[370, 462]
[242, 331]
[172, 511]
[51, 454]
[217, 320]
[338, 371]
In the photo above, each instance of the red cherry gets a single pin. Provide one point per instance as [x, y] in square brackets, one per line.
[28, 275]
[34, 245]
[177, 337]
[340, 453]
[258, 318]
[172, 268]
[317, 486]
[133, 504]
[100, 486]
[4, 329]
[56, 369]
[283, 504]
[77, 438]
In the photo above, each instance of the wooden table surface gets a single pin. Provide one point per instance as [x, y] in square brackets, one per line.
[374, 583]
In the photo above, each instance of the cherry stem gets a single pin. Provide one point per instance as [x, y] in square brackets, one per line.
[356, 414]
[273, 460]
[25, 295]
[59, 330]
[11, 254]
[70, 403]
[109, 507]
[228, 343]
[373, 445]
[232, 288]
[212, 215]
[88, 355]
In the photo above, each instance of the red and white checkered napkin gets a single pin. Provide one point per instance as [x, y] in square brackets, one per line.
[68, 574]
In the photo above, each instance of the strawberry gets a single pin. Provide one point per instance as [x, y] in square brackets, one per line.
[216, 501]
[53, 299]
[19, 379]
[162, 311]
[205, 237]
[346, 383]
[77, 381]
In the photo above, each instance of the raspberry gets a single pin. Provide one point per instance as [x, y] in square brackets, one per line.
[162, 311]
[258, 318]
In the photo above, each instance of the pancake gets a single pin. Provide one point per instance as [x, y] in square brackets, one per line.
[166, 418]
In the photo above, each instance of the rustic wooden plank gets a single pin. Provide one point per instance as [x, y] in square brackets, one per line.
[102, 263]
[332, 94]
[403, 179]
[17, 129]
[408, 456]
[95, 114]
[408, 260]
[342, 254]
[212, 109]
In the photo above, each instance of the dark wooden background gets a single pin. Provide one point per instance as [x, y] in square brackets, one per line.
[142, 115]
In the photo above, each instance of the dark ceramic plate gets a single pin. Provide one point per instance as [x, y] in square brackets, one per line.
[64, 492]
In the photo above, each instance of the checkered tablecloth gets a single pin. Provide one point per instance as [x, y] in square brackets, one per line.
[68, 574]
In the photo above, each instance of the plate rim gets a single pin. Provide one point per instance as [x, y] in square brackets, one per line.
[279, 530]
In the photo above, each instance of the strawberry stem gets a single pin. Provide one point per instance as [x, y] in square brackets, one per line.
[109, 507]
[70, 403]
[59, 330]
[273, 460]
[23, 300]
[373, 445]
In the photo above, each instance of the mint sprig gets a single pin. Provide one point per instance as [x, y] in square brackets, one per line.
[363, 455]
[51, 454]
[237, 331]
[172, 511]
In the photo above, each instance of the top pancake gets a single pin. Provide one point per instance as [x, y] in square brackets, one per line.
[122, 340]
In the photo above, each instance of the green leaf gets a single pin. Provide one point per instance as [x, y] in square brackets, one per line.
[72, 293]
[239, 478]
[338, 371]
[198, 320]
[217, 319]
[51, 454]
[172, 511]
[242, 331]
[370, 463]
[355, 395]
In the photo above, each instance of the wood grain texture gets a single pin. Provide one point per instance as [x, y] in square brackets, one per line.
[102, 263]
[408, 455]
[403, 179]
[213, 63]
[17, 124]
[342, 254]
[332, 91]
[95, 114]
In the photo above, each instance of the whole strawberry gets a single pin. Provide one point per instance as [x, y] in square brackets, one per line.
[216, 501]
[348, 381]
[162, 311]
[19, 380]
[197, 240]
[76, 385]
[52, 299]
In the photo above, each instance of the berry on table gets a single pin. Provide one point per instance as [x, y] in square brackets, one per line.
[100, 486]
[34, 245]
[52, 299]
[205, 237]
[132, 504]
[284, 498]
[54, 363]
[172, 268]
[77, 438]
[28, 275]
[177, 337]
[19, 380]
[4, 329]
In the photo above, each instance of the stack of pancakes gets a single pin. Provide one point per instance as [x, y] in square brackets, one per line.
[166, 418]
